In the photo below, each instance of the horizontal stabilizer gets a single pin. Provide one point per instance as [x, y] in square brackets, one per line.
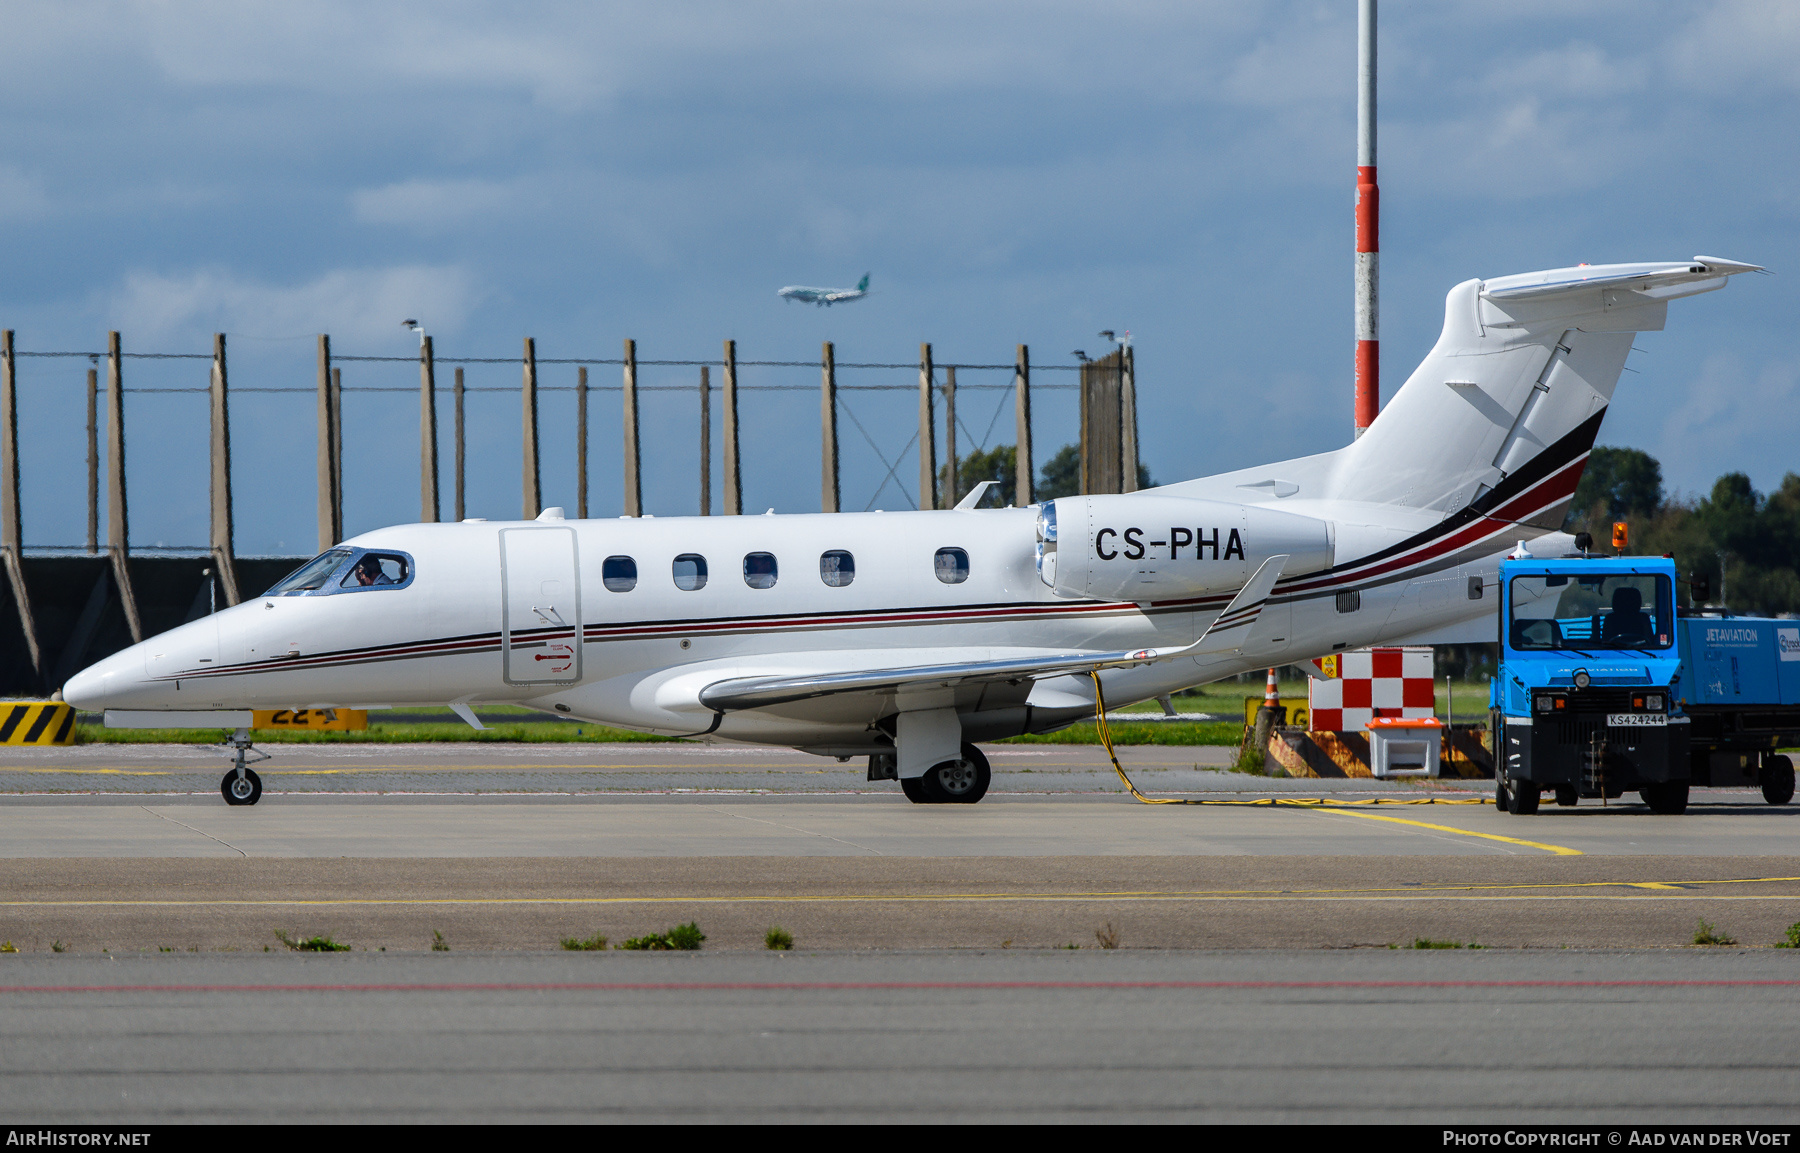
[1656, 281]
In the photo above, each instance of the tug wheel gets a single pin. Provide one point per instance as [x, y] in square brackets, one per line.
[1778, 780]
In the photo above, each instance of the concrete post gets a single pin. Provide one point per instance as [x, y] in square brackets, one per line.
[118, 533]
[534, 492]
[11, 527]
[1022, 472]
[460, 510]
[1128, 425]
[927, 432]
[224, 555]
[93, 461]
[734, 480]
[828, 436]
[581, 431]
[428, 446]
[705, 442]
[330, 519]
[634, 473]
[950, 497]
[9, 446]
[337, 450]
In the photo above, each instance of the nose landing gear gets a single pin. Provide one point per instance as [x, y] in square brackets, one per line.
[241, 786]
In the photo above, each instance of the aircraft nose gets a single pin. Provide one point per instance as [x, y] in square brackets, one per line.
[86, 690]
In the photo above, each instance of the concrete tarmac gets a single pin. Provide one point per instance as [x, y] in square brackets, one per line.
[1604, 1039]
[1057, 952]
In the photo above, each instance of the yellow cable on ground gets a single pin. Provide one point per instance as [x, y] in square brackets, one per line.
[1105, 732]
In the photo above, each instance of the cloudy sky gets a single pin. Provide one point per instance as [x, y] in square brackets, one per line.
[1008, 172]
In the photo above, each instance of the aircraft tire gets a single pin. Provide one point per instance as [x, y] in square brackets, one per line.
[1778, 780]
[245, 792]
[914, 788]
[960, 782]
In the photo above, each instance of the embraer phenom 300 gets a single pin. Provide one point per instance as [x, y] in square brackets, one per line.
[906, 637]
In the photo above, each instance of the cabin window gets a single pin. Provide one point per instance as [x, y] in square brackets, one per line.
[618, 574]
[690, 571]
[951, 565]
[313, 574]
[837, 568]
[760, 570]
[375, 570]
[1349, 602]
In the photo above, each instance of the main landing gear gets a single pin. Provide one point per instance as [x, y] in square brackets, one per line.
[960, 782]
[241, 786]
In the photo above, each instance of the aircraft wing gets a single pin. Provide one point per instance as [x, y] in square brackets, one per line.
[1230, 630]
[763, 692]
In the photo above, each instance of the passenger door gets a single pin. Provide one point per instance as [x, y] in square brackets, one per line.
[540, 621]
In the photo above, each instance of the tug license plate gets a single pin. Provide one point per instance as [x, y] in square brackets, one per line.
[1635, 720]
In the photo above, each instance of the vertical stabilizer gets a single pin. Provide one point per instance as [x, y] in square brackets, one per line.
[1506, 407]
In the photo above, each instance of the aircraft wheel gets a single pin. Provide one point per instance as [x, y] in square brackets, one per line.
[1778, 780]
[960, 782]
[1522, 798]
[1670, 799]
[245, 790]
[914, 788]
[1566, 796]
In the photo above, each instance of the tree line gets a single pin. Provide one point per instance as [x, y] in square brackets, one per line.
[1743, 546]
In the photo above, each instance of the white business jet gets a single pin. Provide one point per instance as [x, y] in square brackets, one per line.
[906, 637]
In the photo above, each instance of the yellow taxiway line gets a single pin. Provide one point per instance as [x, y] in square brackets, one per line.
[1557, 850]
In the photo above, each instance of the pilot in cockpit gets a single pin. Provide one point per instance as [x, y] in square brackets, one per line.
[368, 573]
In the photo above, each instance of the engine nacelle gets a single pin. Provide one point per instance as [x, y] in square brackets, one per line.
[1143, 548]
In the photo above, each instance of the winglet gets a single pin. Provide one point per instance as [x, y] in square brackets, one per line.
[1231, 628]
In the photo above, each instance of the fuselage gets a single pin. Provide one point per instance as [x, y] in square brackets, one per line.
[608, 621]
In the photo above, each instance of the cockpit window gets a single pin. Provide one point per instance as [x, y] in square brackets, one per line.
[311, 575]
[375, 569]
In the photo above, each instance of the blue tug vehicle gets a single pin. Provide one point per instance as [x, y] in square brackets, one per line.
[1605, 687]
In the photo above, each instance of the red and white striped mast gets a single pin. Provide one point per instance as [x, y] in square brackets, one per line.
[1368, 227]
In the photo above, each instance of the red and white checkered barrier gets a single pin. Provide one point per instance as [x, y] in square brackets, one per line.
[1394, 682]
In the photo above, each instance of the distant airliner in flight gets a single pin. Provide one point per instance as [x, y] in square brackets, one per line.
[825, 297]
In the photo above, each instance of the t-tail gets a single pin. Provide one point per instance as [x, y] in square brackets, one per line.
[1498, 420]
[1504, 411]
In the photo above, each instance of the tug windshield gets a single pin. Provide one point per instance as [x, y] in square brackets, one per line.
[1588, 612]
